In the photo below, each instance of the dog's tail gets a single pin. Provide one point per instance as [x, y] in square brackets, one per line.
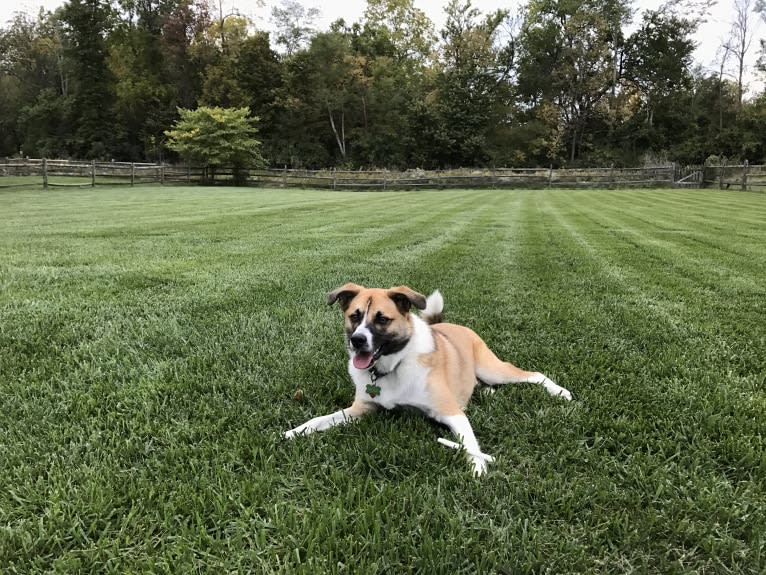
[434, 312]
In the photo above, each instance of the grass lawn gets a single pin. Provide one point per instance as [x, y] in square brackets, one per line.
[152, 340]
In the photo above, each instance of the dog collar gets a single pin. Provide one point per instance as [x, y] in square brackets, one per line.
[373, 390]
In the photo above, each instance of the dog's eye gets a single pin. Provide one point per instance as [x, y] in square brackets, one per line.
[356, 317]
[382, 320]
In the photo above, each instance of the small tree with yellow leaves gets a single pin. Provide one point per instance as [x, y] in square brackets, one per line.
[215, 137]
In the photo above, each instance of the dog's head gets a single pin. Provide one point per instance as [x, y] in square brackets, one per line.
[378, 321]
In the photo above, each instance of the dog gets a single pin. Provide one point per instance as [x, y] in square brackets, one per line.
[399, 358]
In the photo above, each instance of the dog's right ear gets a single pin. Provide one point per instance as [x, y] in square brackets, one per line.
[344, 294]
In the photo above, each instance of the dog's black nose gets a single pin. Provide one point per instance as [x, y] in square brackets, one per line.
[358, 341]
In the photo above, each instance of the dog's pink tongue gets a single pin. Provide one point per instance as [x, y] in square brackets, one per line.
[362, 360]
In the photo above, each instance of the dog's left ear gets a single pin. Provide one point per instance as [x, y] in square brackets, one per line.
[344, 294]
[405, 297]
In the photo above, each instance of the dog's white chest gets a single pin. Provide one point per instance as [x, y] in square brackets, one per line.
[405, 379]
[406, 386]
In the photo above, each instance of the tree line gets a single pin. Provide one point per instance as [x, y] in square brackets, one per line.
[559, 82]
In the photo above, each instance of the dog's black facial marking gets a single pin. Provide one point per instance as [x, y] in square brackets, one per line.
[386, 343]
[381, 320]
[389, 343]
[356, 317]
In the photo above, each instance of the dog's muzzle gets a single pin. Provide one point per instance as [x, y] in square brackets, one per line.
[362, 347]
[359, 342]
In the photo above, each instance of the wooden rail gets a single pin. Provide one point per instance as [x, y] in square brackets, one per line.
[61, 173]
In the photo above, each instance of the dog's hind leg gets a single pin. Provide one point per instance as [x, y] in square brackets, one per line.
[492, 371]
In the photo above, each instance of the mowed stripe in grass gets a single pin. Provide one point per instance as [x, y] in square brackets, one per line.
[151, 341]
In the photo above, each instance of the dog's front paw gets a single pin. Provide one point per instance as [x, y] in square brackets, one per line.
[294, 432]
[565, 394]
[479, 465]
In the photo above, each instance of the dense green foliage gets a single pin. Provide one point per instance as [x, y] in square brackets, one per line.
[559, 82]
[152, 340]
[216, 137]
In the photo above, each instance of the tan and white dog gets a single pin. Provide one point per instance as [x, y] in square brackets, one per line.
[398, 358]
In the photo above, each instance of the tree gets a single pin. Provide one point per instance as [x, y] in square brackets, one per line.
[407, 28]
[332, 75]
[739, 41]
[696, 128]
[294, 25]
[470, 97]
[217, 137]
[186, 51]
[658, 58]
[752, 127]
[144, 92]
[567, 58]
[760, 8]
[10, 103]
[259, 74]
[34, 86]
[87, 26]
[225, 39]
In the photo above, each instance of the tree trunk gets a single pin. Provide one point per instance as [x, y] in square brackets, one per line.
[574, 144]
[339, 138]
[739, 81]
[343, 129]
[62, 77]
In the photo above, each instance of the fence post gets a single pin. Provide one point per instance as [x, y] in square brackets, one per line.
[721, 168]
[93, 173]
[385, 172]
[45, 173]
[334, 176]
[132, 173]
[744, 176]
[611, 176]
[188, 173]
[162, 174]
[550, 175]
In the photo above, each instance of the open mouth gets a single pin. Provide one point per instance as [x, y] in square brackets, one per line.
[365, 359]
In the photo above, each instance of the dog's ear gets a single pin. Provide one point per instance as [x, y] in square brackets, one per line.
[344, 294]
[405, 297]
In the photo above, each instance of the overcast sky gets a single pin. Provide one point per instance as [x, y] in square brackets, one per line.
[709, 37]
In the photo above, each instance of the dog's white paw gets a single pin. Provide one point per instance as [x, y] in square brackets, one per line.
[294, 432]
[554, 388]
[479, 465]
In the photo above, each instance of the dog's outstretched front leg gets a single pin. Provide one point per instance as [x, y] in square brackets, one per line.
[323, 422]
[461, 427]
